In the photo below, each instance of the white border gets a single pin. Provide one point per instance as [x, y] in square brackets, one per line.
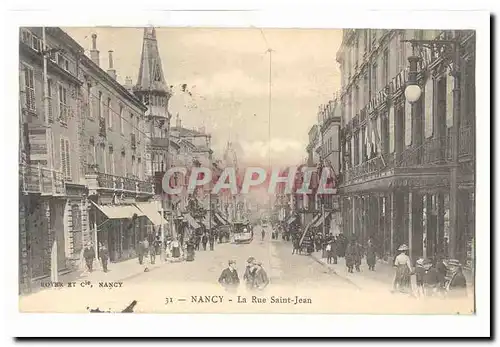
[94, 13]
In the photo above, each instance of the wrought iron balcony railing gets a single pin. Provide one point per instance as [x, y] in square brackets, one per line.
[100, 180]
[40, 180]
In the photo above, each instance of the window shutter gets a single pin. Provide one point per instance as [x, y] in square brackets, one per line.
[63, 157]
[68, 161]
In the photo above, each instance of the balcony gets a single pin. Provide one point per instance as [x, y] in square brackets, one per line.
[39, 180]
[99, 181]
[159, 142]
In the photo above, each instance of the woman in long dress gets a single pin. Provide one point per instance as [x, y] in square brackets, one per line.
[175, 245]
[402, 263]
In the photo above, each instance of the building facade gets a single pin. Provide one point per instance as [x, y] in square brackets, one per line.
[396, 156]
[51, 193]
[112, 153]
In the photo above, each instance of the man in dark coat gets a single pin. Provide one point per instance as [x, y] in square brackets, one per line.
[349, 257]
[358, 254]
[260, 280]
[211, 240]
[89, 255]
[204, 241]
[249, 273]
[229, 277]
[370, 255]
[457, 287]
[104, 256]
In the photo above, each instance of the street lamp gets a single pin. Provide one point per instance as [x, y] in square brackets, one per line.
[412, 94]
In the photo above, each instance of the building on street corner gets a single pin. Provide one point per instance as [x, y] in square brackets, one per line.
[397, 157]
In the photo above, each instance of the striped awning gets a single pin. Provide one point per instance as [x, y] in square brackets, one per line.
[191, 221]
[150, 210]
[118, 211]
[291, 220]
[206, 222]
[220, 219]
[320, 220]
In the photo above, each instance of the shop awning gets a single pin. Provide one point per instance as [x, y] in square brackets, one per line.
[191, 221]
[150, 210]
[291, 220]
[320, 220]
[221, 220]
[118, 211]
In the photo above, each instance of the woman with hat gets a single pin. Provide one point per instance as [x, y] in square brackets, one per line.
[403, 270]
[457, 286]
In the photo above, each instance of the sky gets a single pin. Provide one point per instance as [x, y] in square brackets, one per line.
[227, 73]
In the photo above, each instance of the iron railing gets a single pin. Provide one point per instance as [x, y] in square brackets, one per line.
[119, 183]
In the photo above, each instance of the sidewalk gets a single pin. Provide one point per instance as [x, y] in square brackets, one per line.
[117, 272]
[384, 273]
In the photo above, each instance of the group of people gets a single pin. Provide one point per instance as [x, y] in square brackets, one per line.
[255, 276]
[89, 256]
[433, 276]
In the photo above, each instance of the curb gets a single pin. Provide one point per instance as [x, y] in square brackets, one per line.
[332, 271]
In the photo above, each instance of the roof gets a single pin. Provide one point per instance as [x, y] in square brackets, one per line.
[151, 75]
[184, 132]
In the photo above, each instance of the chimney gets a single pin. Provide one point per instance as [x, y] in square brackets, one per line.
[111, 71]
[178, 121]
[94, 53]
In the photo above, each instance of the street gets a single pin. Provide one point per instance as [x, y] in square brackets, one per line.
[192, 287]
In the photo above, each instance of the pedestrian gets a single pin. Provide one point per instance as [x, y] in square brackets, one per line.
[152, 249]
[249, 272]
[211, 241]
[402, 263]
[158, 244]
[296, 246]
[457, 286]
[260, 279]
[431, 278]
[358, 254]
[263, 233]
[140, 252]
[175, 248]
[229, 277]
[146, 250]
[89, 255]
[349, 257]
[204, 241]
[328, 250]
[104, 256]
[420, 276]
[190, 250]
[197, 241]
[370, 255]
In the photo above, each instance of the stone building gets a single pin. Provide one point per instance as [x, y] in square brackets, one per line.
[113, 153]
[51, 191]
[396, 156]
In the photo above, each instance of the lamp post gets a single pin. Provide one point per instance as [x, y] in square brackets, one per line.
[413, 93]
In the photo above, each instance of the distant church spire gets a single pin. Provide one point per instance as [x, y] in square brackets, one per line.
[151, 75]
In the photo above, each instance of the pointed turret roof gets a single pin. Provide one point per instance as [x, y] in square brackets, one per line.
[151, 75]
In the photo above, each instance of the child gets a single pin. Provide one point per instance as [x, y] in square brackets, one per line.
[420, 274]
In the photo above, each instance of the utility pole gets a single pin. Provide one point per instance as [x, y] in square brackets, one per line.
[270, 51]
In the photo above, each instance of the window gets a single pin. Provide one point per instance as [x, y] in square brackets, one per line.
[31, 40]
[408, 124]
[365, 39]
[29, 88]
[112, 162]
[391, 130]
[385, 71]
[99, 107]
[428, 100]
[65, 159]
[449, 101]
[63, 62]
[63, 104]
[374, 78]
[49, 100]
[109, 114]
[137, 127]
[122, 125]
[124, 164]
